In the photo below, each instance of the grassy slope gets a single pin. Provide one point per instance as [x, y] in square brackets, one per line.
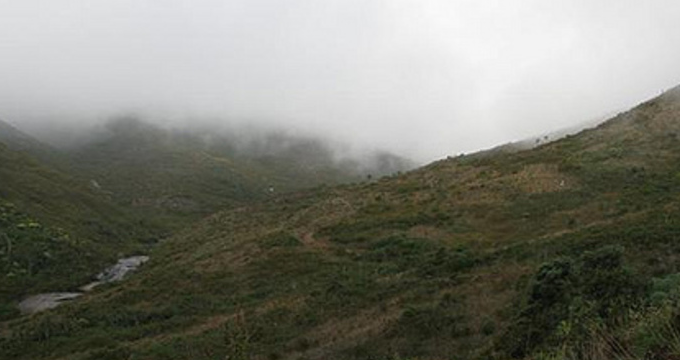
[434, 264]
[74, 233]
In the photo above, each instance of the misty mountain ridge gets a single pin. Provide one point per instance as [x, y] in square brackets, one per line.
[196, 171]
[14, 138]
[18, 140]
[262, 142]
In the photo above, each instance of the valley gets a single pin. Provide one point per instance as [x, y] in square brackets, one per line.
[565, 250]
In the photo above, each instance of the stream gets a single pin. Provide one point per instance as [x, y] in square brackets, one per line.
[117, 272]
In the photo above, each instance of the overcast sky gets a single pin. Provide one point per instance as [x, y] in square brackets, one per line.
[424, 78]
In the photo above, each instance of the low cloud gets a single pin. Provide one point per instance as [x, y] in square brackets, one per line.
[422, 79]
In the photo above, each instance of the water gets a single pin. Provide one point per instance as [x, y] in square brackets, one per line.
[118, 272]
[41, 302]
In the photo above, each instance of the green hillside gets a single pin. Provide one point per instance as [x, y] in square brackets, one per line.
[62, 200]
[183, 175]
[565, 251]
[55, 232]
[35, 258]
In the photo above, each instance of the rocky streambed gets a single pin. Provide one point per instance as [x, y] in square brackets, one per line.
[117, 272]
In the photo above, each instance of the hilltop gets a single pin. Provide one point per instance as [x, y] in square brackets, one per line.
[567, 250]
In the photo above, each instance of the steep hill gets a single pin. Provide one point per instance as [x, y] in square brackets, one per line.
[565, 251]
[55, 231]
[190, 174]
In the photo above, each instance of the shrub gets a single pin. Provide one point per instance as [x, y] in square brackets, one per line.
[567, 298]
[280, 239]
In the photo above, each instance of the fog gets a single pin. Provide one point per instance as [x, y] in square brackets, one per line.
[423, 79]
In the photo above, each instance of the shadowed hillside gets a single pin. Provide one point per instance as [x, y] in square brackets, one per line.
[565, 251]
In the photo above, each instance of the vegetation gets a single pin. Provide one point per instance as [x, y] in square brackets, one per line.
[55, 233]
[565, 251]
[29, 258]
[180, 176]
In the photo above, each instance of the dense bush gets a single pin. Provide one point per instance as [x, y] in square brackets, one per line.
[567, 297]
[34, 257]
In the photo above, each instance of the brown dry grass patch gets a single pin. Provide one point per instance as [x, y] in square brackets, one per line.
[541, 178]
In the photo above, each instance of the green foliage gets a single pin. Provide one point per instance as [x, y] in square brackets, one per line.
[280, 239]
[567, 296]
[34, 258]
[427, 260]
[358, 230]
[655, 333]
[238, 338]
[420, 323]
[111, 352]
[665, 290]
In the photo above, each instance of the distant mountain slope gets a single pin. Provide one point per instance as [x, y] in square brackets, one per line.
[565, 251]
[197, 173]
[17, 140]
